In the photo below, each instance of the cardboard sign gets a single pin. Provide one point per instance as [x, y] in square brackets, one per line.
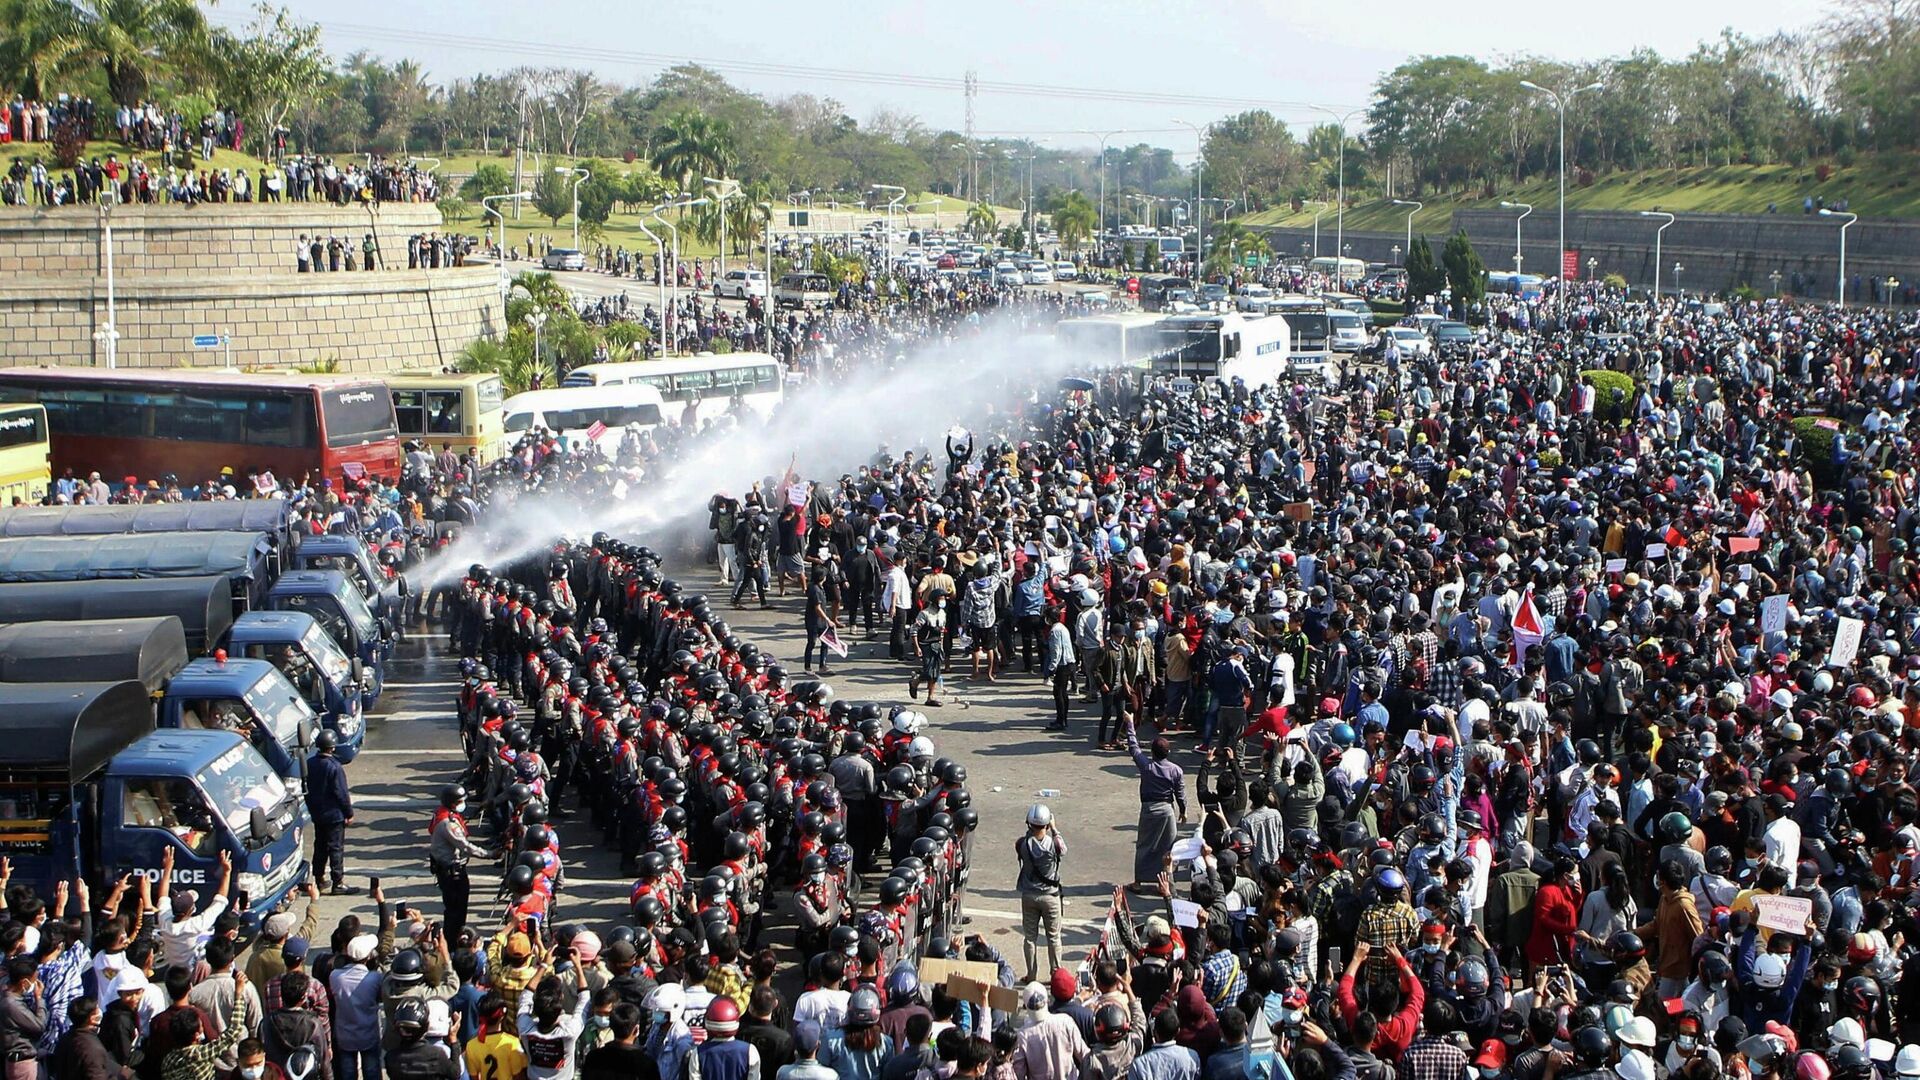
[265, 482]
[1300, 511]
[1784, 913]
[797, 494]
[935, 970]
[1773, 614]
[1656, 551]
[987, 994]
[1740, 545]
[1846, 642]
[1616, 566]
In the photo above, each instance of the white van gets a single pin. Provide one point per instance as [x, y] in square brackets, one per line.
[570, 412]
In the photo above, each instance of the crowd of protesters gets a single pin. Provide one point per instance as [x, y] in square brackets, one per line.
[1540, 707]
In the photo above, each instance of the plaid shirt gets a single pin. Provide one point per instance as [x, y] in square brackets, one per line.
[1383, 925]
[60, 981]
[1443, 682]
[1223, 978]
[1433, 1059]
[1324, 896]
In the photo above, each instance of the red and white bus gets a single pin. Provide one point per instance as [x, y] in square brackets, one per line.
[151, 422]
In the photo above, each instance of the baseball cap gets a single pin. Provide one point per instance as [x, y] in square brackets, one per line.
[294, 950]
[806, 1036]
[1492, 1055]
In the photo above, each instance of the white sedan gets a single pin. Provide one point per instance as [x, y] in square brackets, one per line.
[563, 259]
[1039, 273]
[741, 284]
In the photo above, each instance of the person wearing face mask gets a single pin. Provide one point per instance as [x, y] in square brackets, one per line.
[449, 850]
[254, 1064]
[1689, 1043]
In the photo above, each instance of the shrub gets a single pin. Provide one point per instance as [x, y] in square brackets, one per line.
[69, 142]
[1613, 392]
[1813, 445]
[1822, 172]
[1615, 281]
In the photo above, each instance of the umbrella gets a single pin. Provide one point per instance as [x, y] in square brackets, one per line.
[1076, 383]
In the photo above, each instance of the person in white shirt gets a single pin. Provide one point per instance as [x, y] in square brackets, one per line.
[182, 928]
[827, 1004]
[1781, 839]
[549, 1031]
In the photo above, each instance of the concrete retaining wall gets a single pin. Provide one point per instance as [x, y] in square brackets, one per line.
[231, 269]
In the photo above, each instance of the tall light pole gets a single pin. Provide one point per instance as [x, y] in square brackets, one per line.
[1525, 209]
[766, 302]
[500, 245]
[538, 320]
[659, 283]
[579, 174]
[1657, 233]
[672, 270]
[108, 335]
[728, 189]
[891, 203]
[1322, 205]
[1340, 199]
[1199, 195]
[1560, 103]
[1417, 207]
[1851, 218]
[1103, 186]
[1033, 212]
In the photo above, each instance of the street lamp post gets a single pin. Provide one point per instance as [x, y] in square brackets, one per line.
[1199, 195]
[1340, 198]
[660, 282]
[1851, 218]
[579, 174]
[1322, 205]
[1417, 207]
[500, 245]
[1525, 209]
[672, 269]
[891, 203]
[1103, 184]
[108, 335]
[1560, 103]
[728, 189]
[1656, 247]
[766, 302]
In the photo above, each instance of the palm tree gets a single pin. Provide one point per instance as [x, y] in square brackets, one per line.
[981, 220]
[41, 44]
[542, 289]
[132, 40]
[1074, 219]
[512, 360]
[691, 145]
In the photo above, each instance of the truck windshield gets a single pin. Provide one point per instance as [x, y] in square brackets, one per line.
[322, 651]
[358, 613]
[240, 782]
[280, 707]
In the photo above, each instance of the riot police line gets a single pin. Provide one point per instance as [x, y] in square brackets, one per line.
[722, 782]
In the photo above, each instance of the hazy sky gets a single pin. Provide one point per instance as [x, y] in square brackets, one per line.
[1237, 53]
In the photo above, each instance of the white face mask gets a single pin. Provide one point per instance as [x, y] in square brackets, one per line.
[460, 807]
[817, 877]
[252, 1072]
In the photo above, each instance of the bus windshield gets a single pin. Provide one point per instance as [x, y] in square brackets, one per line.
[239, 782]
[356, 414]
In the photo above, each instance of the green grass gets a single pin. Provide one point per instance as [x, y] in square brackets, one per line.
[100, 148]
[1875, 187]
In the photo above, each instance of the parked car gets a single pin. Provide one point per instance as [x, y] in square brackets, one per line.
[1065, 271]
[741, 284]
[1039, 273]
[1450, 335]
[563, 259]
[1005, 273]
[1410, 340]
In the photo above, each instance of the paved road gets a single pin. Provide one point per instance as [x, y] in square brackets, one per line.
[413, 749]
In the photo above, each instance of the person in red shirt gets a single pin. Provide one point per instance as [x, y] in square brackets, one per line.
[1398, 1030]
[1556, 913]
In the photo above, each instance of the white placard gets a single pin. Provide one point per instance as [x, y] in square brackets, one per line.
[1773, 614]
[1846, 642]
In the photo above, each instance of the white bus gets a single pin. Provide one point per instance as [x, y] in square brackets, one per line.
[1225, 346]
[712, 382]
[570, 412]
[1117, 340]
[1312, 347]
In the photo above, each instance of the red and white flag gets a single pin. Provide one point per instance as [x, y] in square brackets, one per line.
[1528, 629]
[595, 430]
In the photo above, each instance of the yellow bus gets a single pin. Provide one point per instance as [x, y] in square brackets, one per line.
[26, 463]
[458, 410]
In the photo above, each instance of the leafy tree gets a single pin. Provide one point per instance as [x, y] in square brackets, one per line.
[690, 145]
[553, 196]
[981, 220]
[598, 193]
[1013, 236]
[132, 41]
[264, 74]
[1074, 218]
[1466, 274]
[489, 178]
[454, 208]
[1424, 276]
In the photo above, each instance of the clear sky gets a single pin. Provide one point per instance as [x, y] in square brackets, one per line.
[1235, 54]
